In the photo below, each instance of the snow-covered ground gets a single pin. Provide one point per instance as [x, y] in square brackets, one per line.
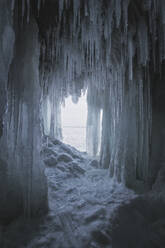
[87, 208]
[81, 200]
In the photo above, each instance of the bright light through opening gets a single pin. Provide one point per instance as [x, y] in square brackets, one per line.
[74, 117]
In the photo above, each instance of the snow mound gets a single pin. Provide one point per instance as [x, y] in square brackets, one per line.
[63, 158]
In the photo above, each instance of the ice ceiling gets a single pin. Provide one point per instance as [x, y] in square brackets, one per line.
[114, 49]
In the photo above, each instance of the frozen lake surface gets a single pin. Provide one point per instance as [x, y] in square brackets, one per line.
[74, 119]
[75, 136]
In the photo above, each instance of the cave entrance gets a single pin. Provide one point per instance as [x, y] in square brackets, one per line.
[74, 120]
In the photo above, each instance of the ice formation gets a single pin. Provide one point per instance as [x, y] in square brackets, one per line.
[103, 46]
[22, 134]
[111, 48]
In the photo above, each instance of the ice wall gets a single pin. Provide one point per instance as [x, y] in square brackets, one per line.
[26, 191]
[157, 158]
[7, 39]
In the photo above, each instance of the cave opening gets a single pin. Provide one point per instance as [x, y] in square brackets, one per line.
[74, 120]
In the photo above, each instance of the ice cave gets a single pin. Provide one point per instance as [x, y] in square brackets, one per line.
[110, 191]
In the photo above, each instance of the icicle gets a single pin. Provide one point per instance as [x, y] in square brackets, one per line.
[143, 42]
[86, 9]
[23, 10]
[28, 10]
[125, 14]
[130, 57]
[38, 6]
[61, 6]
[118, 12]
[162, 10]
[12, 5]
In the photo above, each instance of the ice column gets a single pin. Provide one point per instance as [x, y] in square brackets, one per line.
[93, 122]
[27, 188]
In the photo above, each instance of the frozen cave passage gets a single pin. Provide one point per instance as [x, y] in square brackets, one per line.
[103, 186]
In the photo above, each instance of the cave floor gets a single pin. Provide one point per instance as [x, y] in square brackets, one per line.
[82, 201]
